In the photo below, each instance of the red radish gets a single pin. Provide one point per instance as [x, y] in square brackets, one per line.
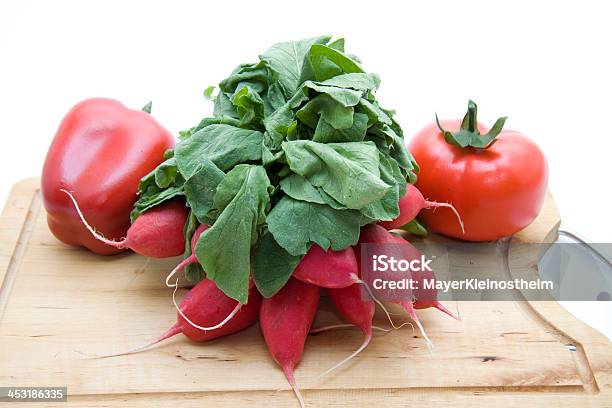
[409, 308]
[355, 310]
[411, 204]
[333, 270]
[423, 298]
[206, 305]
[191, 258]
[157, 233]
[328, 269]
[376, 240]
[285, 320]
[399, 248]
[426, 298]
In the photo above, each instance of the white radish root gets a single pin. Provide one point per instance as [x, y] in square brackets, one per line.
[187, 261]
[296, 390]
[411, 313]
[365, 343]
[430, 345]
[97, 235]
[217, 326]
[174, 330]
[344, 326]
[443, 309]
[378, 302]
[410, 310]
[434, 204]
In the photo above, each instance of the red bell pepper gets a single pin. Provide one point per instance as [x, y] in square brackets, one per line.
[100, 152]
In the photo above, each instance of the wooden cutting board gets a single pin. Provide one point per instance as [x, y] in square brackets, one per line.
[60, 307]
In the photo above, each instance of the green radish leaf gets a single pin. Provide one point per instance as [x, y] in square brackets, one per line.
[278, 126]
[398, 148]
[168, 154]
[272, 265]
[337, 45]
[358, 81]
[200, 189]
[225, 248]
[297, 224]
[329, 200]
[286, 60]
[348, 172]
[154, 196]
[384, 209]
[346, 89]
[162, 184]
[249, 104]
[255, 75]
[387, 208]
[166, 173]
[224, 106]
[416, 228]
[208, 93]
[274, 99]
[300, 188]
[215, 120]
[391, 173]
[326, 62]
[334, 113]
[374, 112]
[345, 96]
[395, 147]
[224, 145]
[325, 133]
[193, 272]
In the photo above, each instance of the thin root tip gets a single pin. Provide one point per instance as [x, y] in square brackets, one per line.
[92, 230]
[124, 353]
[187, 261]
[435, 204]
[172, 331]
[378, 302]
[429, 343]
[296, 390]
[365, 343]
[443, 309]
[217, 326]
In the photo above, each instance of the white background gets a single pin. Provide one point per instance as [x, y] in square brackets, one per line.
[546, 66]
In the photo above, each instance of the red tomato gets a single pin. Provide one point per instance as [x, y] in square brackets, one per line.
[100, 152]
[498, 189]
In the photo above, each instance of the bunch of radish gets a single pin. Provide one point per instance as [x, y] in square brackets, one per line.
[206, 313]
